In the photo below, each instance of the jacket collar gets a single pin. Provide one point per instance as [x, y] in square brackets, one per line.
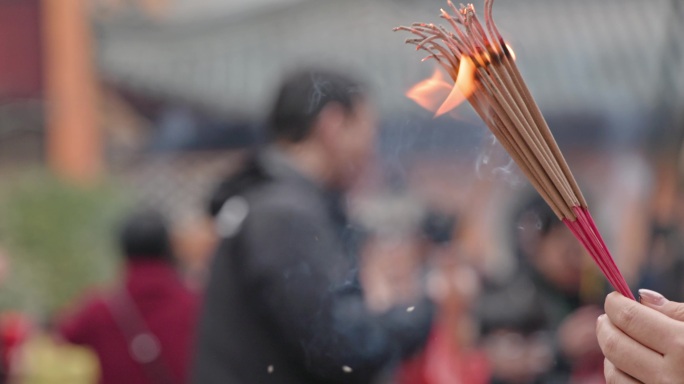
[277, 164]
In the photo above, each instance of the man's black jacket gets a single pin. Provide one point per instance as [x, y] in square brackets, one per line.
[284, 304]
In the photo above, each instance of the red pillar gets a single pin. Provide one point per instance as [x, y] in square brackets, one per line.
[74, 148]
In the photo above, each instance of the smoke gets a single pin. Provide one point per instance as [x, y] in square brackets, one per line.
[493, 163]
[318, 92]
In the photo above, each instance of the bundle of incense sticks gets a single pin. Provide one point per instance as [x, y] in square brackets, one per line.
[484, 71]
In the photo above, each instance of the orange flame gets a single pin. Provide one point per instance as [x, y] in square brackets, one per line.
[430, 93]
[437, 95]
[464, 87]
[440, 97]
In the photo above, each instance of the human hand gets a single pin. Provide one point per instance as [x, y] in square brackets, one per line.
[642, 343]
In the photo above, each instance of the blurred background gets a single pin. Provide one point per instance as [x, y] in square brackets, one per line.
[110, 104]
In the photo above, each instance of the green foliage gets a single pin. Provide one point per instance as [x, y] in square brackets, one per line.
[58, 238]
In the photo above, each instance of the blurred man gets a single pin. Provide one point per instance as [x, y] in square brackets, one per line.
[142, 332]
[284, 304]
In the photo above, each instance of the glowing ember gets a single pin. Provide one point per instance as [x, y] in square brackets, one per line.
[510, 50]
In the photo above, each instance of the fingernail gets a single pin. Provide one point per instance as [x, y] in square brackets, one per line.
[646, 296]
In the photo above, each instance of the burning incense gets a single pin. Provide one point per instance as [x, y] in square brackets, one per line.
[483, 70]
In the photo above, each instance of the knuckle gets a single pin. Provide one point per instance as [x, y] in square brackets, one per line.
[611, 344]
[598, 328]
[626, 316]
[611, 299]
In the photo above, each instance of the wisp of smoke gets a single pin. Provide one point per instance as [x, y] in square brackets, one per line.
[493, 163]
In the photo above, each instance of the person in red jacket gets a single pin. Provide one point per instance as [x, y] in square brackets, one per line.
[142, 331]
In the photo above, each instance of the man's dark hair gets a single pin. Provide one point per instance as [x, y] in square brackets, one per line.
[303, 95]
[144, 234]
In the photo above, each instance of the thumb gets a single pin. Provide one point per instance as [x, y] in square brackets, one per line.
[658, 302]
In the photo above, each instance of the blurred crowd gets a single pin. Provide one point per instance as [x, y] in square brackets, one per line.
[298, 290]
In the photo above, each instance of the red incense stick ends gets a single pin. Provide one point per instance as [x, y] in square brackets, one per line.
[586, 232]
[482, 67]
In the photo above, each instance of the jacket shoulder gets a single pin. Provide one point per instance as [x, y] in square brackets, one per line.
[273, 201]
[282, 198]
